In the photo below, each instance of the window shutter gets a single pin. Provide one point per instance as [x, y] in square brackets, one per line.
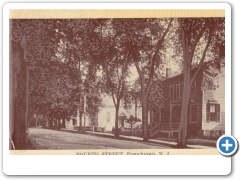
[217, 112]
[174, 92]
[177, 92]
[208, 112]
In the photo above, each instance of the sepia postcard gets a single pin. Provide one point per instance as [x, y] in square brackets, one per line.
[112, 80]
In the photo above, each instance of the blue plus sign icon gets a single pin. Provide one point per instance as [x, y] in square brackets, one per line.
[227, 145]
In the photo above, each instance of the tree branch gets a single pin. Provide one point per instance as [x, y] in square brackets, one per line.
[118, 78]
[111, 87]
[121, 91]
[154, 59]
[203, 57]
[121, 84]
[196, 41]
[137, 65]
[114, 101]
[117, 66]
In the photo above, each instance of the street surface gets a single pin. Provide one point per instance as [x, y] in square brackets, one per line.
[53, 139]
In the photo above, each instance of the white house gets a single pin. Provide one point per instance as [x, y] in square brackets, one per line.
[106, 116]
[213, 107]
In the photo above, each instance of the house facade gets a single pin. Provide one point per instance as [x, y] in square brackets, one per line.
[167, 118]
[213, 108]
[206, 115]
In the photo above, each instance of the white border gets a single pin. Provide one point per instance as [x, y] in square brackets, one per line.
[113, 165]
[117, 6]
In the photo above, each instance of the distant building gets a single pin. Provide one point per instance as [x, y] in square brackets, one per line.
[74, 122]
[106, 116]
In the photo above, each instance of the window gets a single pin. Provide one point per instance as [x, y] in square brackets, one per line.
[179, 89]
[74, 121]
[213, 112]
[171, 91]
[194, 113]
[108, 116]
[212, 108]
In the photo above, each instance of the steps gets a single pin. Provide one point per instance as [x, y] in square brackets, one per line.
[154, 130]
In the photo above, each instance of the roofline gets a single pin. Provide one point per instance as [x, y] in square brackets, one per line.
[191, 70]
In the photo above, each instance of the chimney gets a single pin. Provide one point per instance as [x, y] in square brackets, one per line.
[168, 72]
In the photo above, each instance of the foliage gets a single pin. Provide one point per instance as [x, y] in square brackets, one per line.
[53, 48]
[198, 32]
[132, 120]
[156, 98]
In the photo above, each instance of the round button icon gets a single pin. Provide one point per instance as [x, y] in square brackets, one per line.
[227, 145]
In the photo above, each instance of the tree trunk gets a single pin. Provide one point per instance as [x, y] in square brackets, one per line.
[182, 133]
[63, 122]
[116, 119]
[19, 97]
[144, 118]
[59, 123]
[84, 112]
[36, 121]
[27, 100]
[80, 121]
[51, 122]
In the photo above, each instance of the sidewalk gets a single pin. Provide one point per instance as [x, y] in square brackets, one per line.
[192, 143]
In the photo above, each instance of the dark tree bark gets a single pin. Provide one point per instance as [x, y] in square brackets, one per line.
[135, 102]
[19, 102]
[144, 115]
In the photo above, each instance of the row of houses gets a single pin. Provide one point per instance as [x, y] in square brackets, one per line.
[206, 109]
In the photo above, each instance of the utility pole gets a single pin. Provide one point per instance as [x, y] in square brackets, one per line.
[84, 103]
[84, 111]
